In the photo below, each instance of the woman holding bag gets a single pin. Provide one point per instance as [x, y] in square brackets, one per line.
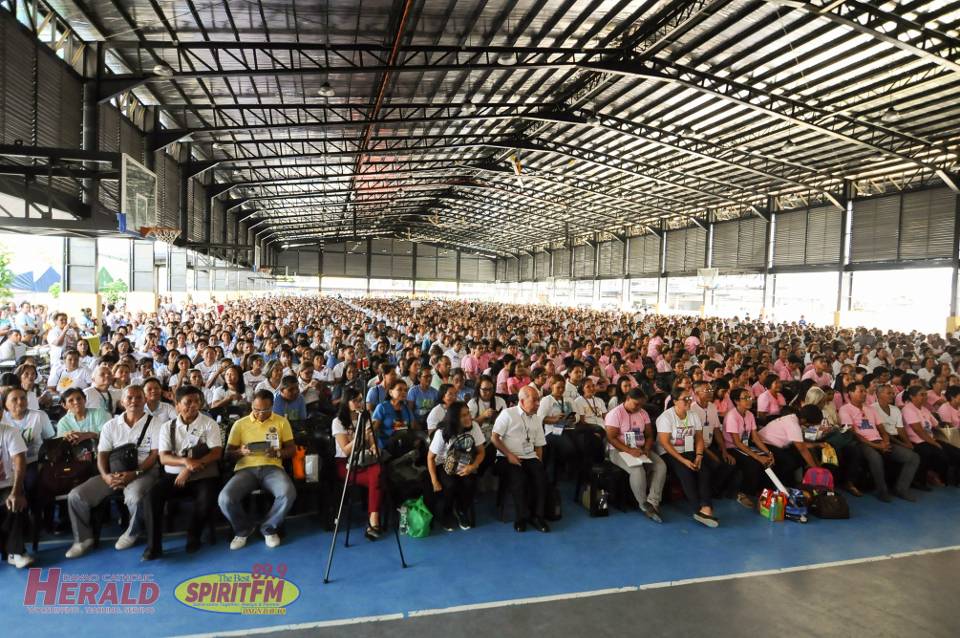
[458, 448]
[367, 471]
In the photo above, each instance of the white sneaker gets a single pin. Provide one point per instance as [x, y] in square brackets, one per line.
[126, 541]
[272, 540]
[79, 549]
[20, 560]
[238, 542]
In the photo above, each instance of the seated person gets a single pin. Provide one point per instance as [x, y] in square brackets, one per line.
[13, 496]
[630, 433]
[134, 427]
[344, 432]
[161, 411]
[448, 395]
[723, 467]
[741, 437]
[936, 457]
[518, 437]
[485, 406]
[233, 395]
[771, 401]
[392, 415]
[875, 444]
[101, 394]
[80, 423]
[457, 435]
[680, 442]
[35, 428]
[557, 414]
[784, 437]
[423, 397]
[69, 374]
[288, 402]
[260, 442]
[377, 393]
[190, 447]
[949, 410]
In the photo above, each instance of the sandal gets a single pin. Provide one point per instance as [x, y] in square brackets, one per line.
[853, 490]
[372, 533]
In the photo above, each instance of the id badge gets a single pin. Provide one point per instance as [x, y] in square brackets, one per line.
[630, 438]
[527, 447]
[745, 437]
[688, 443]
[273, 438]
[865, 425]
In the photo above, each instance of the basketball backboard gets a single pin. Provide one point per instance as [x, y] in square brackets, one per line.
[138, 196]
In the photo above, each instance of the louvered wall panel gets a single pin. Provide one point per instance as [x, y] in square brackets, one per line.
[875, 229]
[676, 250]
[469, 268]
[526, 268]
[823, 235]
[726, 238]
[513, 269]
[487, 270]
[583, 258]
[644, 255]
[695, 252]
[446, 264]
[561, 263]
[541, 266]
[751, 248]
[16, 96]
[926, 225]
[790, 238]
[611, 259]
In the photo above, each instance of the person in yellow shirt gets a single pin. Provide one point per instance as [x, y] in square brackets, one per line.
[260, 442]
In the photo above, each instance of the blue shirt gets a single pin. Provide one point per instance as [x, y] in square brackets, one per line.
[295, 410]
[422, 401]
[377, 394]
[387, 415]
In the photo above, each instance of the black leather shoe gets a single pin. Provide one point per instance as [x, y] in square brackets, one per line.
[540, 525]
[520, 526]
[151, 554]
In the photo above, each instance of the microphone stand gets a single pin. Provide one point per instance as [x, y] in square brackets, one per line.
[350, 481]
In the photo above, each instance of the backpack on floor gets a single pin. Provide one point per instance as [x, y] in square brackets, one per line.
[596, 497]
[829, 505]
[818, 478]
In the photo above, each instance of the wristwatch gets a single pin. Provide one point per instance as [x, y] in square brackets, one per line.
[138, 473]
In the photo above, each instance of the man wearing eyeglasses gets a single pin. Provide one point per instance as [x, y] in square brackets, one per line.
[485, 408]
[519, 439]
[260, 442]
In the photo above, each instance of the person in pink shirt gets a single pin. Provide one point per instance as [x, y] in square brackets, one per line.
[739, 433]
[949, 410]
[918, 425]
[630, 434]
[935, 395]
[784, 438]
[874, 444]
[819, 372]
[721, 397]
[771, 401]
[520, 379]
[653, 347]
[470, 364]
[692, 342]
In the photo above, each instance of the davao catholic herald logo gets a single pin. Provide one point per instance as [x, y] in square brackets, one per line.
[257, 592]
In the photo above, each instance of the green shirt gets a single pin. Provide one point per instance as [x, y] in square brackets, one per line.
[94, 420]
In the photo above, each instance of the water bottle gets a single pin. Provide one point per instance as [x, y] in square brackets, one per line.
[602, 501]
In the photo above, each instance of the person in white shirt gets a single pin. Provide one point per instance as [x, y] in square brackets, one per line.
[101, 394]
[518, 437]
[133, 427]
[448, 395]
[458, 435]
[722, 464]
[13, 495]
[161, 411]
[61, 337]
[209, 366]
[253, 376]
[190, 447]
[485, 407]
[69, 375]
[34, 426]
[557, 414]
[680, 441]
[12, 347]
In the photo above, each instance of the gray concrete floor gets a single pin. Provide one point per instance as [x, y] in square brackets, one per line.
[908, 597]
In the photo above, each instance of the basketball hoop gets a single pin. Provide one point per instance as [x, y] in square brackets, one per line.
[166, 234]
[707, 278]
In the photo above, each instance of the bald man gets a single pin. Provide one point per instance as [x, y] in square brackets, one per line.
[518, 437]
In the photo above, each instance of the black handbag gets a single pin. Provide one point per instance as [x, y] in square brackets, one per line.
[829, 505]
[124, 458]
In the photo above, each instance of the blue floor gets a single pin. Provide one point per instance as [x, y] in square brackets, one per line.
[492, 562]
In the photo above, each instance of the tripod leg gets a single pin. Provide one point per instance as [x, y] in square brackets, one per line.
[396, 534]
[349, 513]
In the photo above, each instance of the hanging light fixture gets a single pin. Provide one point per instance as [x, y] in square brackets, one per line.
[326, 90]
[593, 120]
[789, 145]
[216, 146]
[162, 70]
[507, 59]
[890, 116]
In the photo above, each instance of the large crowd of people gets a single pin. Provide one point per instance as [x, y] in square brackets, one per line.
[205, 402]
